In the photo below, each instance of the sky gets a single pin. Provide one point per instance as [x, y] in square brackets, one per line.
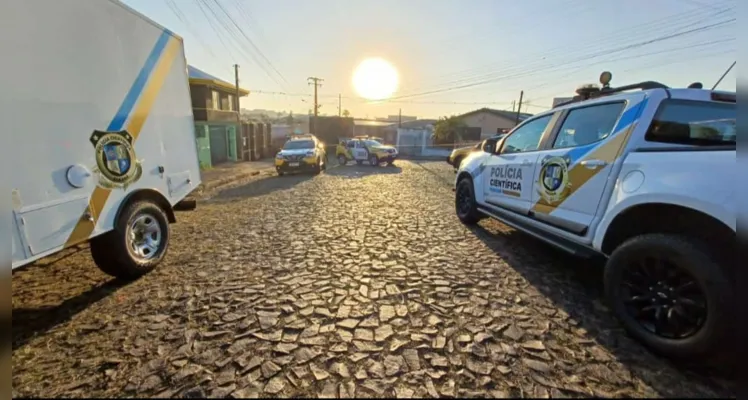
[451, 56]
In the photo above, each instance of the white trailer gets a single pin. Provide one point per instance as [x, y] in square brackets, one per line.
[99, 131]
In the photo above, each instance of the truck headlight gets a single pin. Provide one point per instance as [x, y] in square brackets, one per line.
[310, 153]
[279, 156]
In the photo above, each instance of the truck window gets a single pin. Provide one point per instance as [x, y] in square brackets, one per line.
[526, 137]
[690, 122]
[588, 125]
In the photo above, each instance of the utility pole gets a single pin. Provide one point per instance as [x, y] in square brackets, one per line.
[340, 108]
[236, 100]
[514, 105]
[521, 94]
[317, 83]
[400, 119]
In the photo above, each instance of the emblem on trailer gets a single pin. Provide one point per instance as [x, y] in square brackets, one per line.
[553, 180]
[116, 164]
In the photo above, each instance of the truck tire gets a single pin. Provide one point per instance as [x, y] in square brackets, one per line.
[374, 160]
[342, 160]
[318, 167]
[136, 245]
[465, 206]
[676, 279]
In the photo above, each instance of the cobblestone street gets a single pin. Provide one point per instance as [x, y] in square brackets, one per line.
[357, 282]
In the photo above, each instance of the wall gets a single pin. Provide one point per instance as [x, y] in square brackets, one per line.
[489, 123]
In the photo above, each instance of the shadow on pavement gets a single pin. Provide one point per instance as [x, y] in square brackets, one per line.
[575, 286]
[264, 185]
[352, 170]
[52, 291]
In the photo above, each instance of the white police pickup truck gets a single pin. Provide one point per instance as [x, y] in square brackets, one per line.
[644, 175]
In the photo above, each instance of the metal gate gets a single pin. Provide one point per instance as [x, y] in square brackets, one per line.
[218, 145]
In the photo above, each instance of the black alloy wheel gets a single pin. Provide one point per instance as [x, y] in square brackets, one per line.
[662, 297]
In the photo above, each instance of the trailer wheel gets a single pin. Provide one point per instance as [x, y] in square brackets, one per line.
[136, 245]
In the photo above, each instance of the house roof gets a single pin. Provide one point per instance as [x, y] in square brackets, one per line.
[511, 115]
[419, 123]
[200, 77]
[364, 122]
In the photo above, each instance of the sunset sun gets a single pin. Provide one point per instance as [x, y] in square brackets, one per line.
[375, 79]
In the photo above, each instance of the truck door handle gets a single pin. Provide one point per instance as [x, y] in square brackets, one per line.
[592, 164]
[526, 163]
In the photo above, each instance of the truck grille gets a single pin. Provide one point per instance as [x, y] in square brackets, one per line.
[294, 157]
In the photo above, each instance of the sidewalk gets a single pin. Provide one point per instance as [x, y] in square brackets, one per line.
[224, 174]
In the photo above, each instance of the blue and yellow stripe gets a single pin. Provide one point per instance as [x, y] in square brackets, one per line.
[131, 116]
[609, 150]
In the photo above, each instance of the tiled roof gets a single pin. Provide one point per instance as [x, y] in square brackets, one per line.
[501, 113]
[199, 76]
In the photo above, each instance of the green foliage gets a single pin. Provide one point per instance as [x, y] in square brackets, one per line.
[448, 130]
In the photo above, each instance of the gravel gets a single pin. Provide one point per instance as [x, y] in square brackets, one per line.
[357, 282]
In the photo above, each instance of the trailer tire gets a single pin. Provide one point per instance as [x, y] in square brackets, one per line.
[142, 224]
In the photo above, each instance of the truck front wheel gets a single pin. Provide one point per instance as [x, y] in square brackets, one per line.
[136, 245]
[670, 293]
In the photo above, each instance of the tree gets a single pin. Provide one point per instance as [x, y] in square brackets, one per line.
[448, 130]
[289, 119]
[346, 113]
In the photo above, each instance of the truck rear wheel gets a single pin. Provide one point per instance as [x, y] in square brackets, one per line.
[670, 293]
[136, 245]
[342, 160]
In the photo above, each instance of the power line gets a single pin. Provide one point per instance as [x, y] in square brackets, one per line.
[702, 56]
[238, 42]
[671, 50]
[183, 18]
[677, 21]
[585, 58]
[212, 25]
[251, 42]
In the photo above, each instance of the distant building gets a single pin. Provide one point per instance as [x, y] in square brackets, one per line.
[398, 118]
[486, 122]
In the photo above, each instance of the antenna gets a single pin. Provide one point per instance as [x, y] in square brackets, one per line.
[724, 75]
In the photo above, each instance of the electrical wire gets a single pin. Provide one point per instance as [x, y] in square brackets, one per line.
[584, 58]
[677, 22]
[183, 18]
[250, 41]
[212, 25]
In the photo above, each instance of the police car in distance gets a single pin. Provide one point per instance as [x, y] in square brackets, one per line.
[365, 149]
[643, 175]
[301, 153]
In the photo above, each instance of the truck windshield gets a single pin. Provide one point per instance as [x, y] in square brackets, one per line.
[701, 123]
[298, 145]
[372, 143]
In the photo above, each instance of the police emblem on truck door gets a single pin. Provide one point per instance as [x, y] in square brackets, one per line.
[553, 180]
[116, 164]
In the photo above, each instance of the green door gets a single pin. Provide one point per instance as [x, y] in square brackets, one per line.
[203, 146]
[231, 131]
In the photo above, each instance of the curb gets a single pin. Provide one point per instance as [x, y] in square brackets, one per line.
[233, 178]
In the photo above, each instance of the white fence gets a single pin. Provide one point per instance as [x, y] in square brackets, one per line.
[420, 143]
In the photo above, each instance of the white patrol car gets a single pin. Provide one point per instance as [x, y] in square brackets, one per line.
[643, 175]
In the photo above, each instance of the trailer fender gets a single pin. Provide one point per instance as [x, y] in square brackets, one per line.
[150, 195]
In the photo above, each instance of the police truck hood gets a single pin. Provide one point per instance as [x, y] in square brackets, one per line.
[295, 152]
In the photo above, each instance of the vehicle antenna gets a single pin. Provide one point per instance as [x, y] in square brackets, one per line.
[724, 75]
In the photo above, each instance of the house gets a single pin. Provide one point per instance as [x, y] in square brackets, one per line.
[214, 107]
[382, 129]
[489, 121]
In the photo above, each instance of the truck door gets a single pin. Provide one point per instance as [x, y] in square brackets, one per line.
[359, 152]
[508, 174]
[571, 175]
